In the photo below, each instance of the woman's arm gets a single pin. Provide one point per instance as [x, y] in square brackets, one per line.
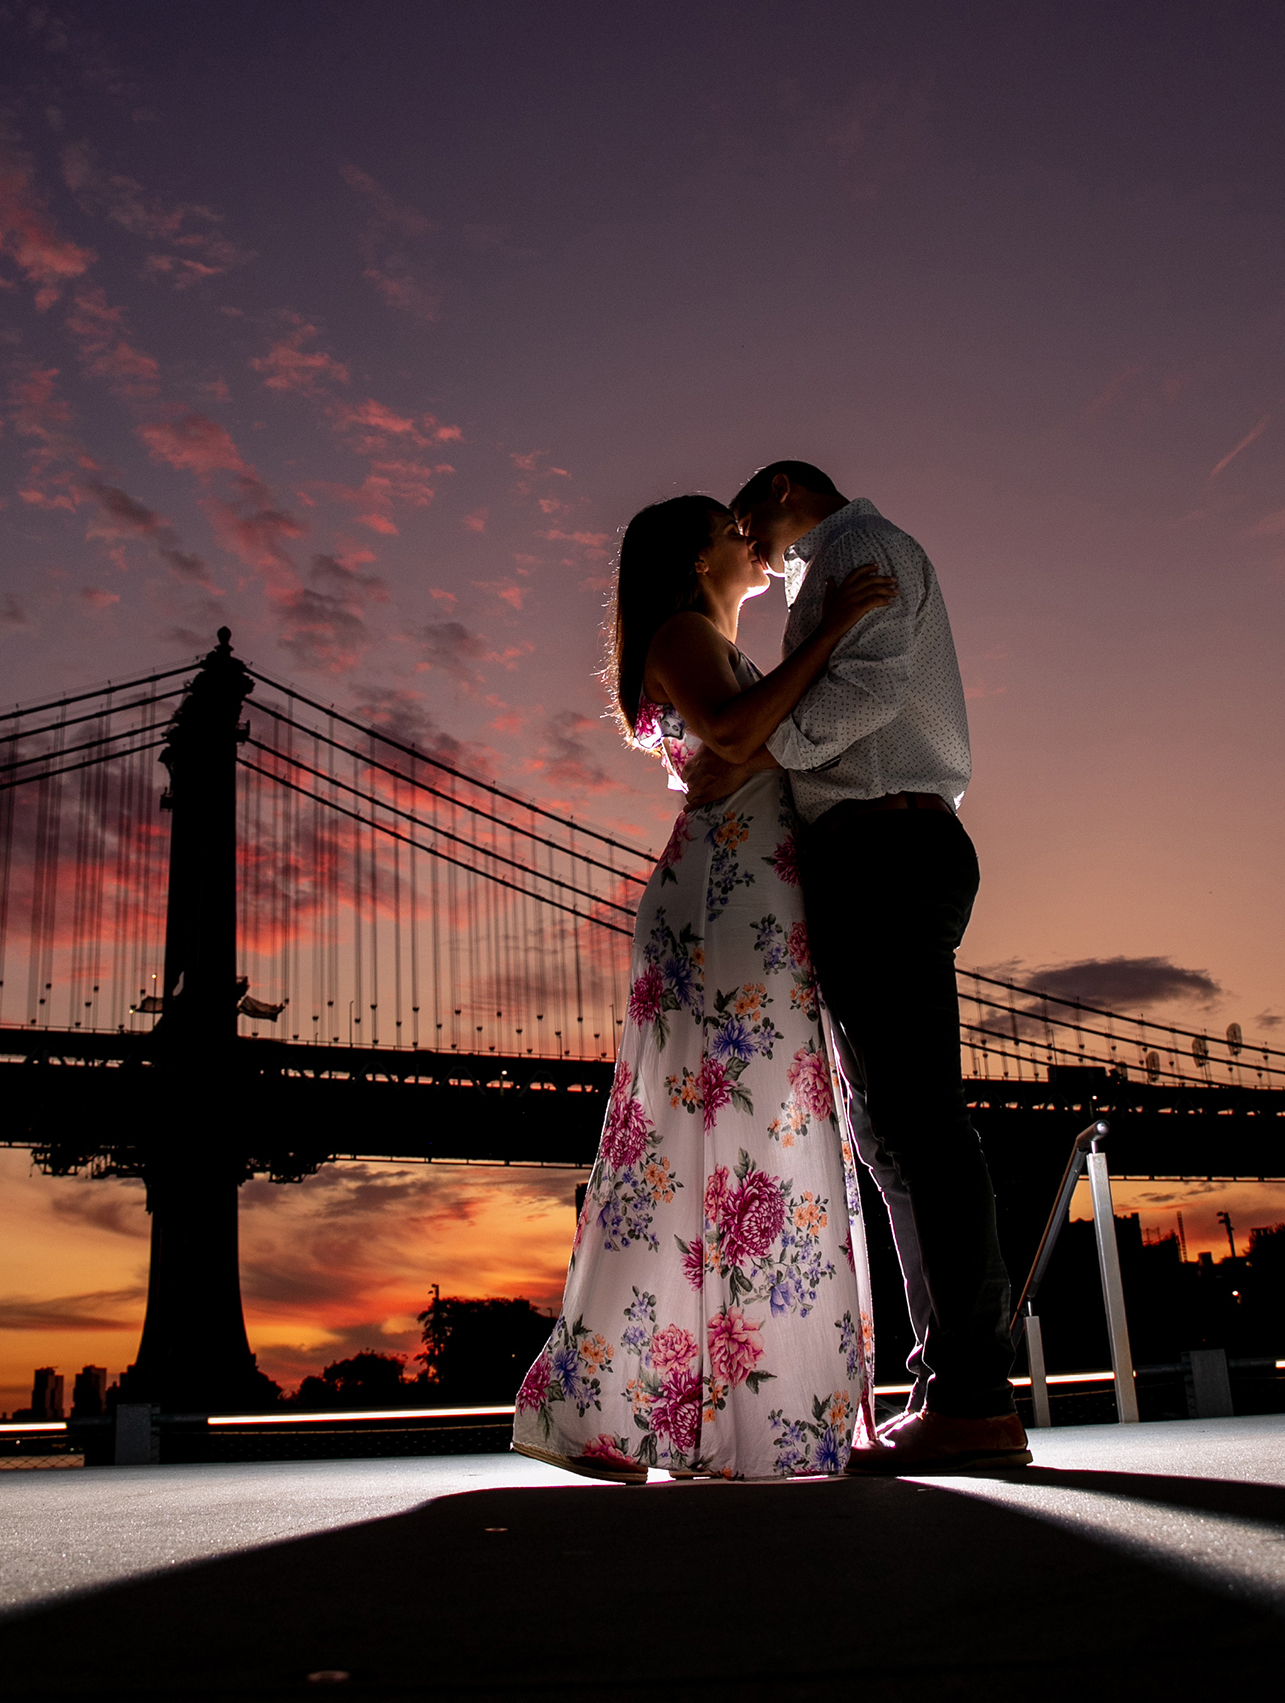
[689, 665]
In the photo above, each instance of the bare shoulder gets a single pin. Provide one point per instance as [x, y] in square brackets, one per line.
[686, 632]
[685, 644]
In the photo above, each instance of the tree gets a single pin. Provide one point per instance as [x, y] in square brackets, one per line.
[365, 1380]
[478, 1352]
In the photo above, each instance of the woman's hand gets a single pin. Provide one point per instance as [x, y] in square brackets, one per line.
[864, 590]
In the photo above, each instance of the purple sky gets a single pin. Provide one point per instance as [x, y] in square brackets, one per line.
[366, 327]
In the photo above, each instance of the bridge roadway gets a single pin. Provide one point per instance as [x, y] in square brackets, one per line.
[1130, 1561]
[83, 1100]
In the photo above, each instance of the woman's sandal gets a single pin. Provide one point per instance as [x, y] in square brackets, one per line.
[584, 1466]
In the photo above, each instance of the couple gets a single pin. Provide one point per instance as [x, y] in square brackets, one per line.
[716, 1319]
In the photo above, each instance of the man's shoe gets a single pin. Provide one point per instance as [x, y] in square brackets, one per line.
[934, 1442]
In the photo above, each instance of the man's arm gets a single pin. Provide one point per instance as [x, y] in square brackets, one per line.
[868, 677]
[708, 777]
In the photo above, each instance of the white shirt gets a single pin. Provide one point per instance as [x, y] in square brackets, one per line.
[888, 713]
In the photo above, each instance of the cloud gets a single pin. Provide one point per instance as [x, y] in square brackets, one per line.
[567, 757]
[104, 352]
[97, 1310]
[370, 425]
[1249, 438]
[1269, 1019]
[1109, 394]
[194, 443]
[97, 599]
[476, 522]
[290, 366]
[389, 242]
[13, 617]
[322, 625]
[121, 516]
[257, 531]
[118, 1210]
[30, 238]
[1121, 984]
[403, 716]
[188, 227]
[1270, 526]
[450, 646]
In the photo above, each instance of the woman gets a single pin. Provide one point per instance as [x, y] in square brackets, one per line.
[716, 1316]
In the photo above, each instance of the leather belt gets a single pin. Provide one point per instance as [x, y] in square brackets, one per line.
[839, 813]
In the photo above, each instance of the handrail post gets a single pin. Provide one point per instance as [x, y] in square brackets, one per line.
[1126, 1395]
[1035, 1365]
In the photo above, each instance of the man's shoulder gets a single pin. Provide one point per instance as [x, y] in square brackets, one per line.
[875, 530]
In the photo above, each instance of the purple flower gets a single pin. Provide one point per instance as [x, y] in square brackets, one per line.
[734, 1039]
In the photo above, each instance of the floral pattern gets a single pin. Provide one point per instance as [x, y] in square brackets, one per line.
[718, 1281]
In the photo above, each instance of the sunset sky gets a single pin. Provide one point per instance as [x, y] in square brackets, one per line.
[364, 328]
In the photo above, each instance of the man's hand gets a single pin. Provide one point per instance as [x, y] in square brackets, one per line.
[708, 777]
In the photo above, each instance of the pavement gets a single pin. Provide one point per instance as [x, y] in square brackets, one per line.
[1126, 1561]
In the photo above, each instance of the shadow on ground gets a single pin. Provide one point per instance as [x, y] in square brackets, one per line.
[761, 1591]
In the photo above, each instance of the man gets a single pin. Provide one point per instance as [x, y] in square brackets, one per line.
[879, 759]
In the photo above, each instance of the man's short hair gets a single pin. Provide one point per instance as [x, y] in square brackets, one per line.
[758, 488]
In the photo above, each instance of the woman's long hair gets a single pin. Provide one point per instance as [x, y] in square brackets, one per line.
[657, 578]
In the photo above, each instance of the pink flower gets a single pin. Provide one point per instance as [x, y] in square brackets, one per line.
[809, 1076]
[715, 1090]
[647, 722]
[796, 943]
[605, 1448]
[754, 1218]
[785, 861]
[694, 1264]
[535, 1386]
[627, 1128]
[676, 845]
[735, 1347]
[676, 1412]
[717, 1191]
[645, 996]
[672, 1347]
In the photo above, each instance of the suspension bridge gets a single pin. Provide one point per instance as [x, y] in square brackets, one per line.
[322, 941]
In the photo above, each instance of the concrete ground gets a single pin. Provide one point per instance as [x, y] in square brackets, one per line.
[1128, 1560]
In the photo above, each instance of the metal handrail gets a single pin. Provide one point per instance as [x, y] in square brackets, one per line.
[1086, 1151]
[1085, 1142]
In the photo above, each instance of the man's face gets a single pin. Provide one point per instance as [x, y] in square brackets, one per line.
[767, 526]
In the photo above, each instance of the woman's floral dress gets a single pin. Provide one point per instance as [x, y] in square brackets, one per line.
[716, 1316]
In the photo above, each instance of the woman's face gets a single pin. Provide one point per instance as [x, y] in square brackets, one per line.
[731, 560]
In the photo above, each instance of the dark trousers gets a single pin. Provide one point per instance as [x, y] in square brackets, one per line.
[889, 894]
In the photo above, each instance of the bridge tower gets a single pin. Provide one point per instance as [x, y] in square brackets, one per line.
[194, 1355]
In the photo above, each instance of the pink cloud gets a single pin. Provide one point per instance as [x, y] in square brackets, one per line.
[99, 330]
[1249, 438]
[290, 366]
[1268, 527]
[389, 242]
[476, 522]
[28, 235]
[193, 442]
[98, 599]
[379, 523]
[1106, 397]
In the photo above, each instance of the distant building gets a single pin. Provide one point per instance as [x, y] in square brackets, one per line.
[89, 1393]
[46, 1394]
